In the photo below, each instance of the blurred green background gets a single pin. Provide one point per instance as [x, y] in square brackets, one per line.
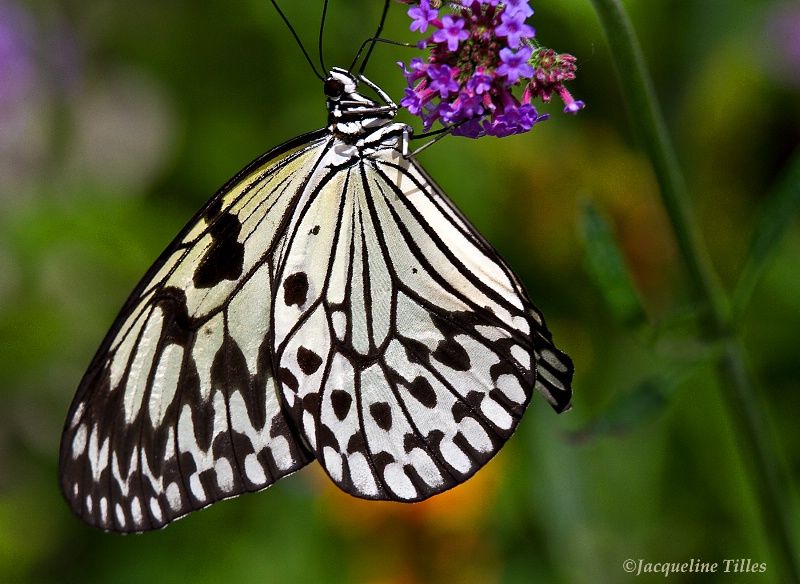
[119, 119]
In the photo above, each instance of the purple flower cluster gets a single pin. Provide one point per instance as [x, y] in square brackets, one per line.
[478, 54]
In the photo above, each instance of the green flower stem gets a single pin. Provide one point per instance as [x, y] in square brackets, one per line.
[736, 380]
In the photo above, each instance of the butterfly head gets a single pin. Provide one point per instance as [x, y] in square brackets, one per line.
[340, 83]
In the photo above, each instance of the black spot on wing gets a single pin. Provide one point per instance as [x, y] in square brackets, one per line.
[295, 289]
[311, 402]
[288, 379]
[326, 437]
[308, 360]
[179, 326]
[416, 352]
[314, 230]
[449, 328]
[412, 441]
[381, 412]
[502, 367]
[381, 460]
[224, 259]
[357, 443]
[421, 389]
[460, 411]
[341, 401]
[213, 210]
[452, 354]
[474, 399]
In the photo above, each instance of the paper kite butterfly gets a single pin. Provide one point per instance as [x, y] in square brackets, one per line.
[328, 303]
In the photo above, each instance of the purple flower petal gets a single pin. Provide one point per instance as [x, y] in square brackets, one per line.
[471, 129]
[519, 6]
[422, 15]
[452, 32]
[412, 101]
[442, 80]
[513, 27]
[515, 65]
[479, 83]
[471, 105]
[574, 107]
[450, 113]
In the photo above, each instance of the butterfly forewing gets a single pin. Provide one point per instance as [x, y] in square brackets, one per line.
[180, 406]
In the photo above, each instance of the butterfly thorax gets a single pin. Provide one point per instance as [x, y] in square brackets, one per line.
[352, 116]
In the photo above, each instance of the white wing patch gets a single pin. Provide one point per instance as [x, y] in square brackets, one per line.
[165, 383]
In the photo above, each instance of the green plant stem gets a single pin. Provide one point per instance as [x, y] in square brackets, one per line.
[736, 380]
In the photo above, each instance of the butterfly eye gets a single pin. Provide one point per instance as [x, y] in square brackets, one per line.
[334, 88]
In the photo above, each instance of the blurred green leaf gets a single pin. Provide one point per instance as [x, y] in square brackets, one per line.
[677, 336]
[606, 265]
[633, 408]
[775, 220]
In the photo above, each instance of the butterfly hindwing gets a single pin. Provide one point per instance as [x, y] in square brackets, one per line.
[179, 407]
[554, 368]
[408, 359]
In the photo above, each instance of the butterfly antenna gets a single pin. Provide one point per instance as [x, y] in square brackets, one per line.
[371, 42]
[322, 35]
[297, 38]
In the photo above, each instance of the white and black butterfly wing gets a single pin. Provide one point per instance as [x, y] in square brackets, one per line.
[554, 368]
[329, 302]
[179, 407]
[409, 352]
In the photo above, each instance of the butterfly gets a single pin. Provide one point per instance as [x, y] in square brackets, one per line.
[329, 302]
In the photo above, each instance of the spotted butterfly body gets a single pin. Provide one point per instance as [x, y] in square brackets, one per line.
[328, 303]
